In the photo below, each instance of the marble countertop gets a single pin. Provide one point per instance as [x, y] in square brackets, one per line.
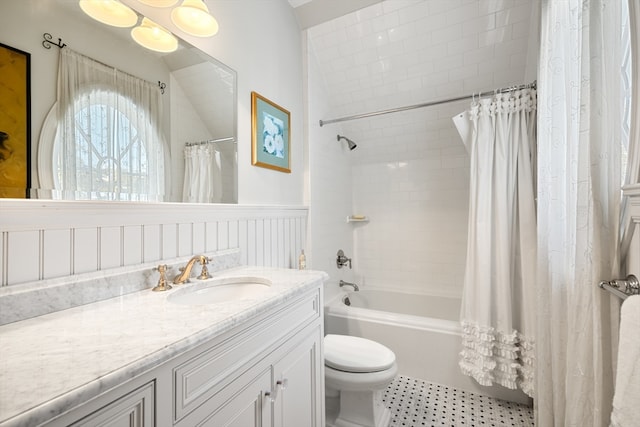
[54, 362]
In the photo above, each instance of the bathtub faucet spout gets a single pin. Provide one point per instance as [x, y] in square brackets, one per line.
[343, 283]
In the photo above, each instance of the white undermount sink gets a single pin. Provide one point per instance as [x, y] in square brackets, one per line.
[215, 291]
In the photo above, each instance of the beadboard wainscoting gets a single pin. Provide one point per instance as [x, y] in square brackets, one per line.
[49, 239]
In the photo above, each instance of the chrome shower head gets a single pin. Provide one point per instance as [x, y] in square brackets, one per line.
[352, 145]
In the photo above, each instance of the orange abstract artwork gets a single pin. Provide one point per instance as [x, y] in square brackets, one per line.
[14, 122]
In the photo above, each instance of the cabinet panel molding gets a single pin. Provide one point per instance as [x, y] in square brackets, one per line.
[135, 409]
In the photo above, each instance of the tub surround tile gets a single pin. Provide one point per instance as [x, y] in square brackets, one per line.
[37, 381]
[47, 296]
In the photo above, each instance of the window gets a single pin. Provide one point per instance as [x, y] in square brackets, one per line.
[111, 157]
[106, 142]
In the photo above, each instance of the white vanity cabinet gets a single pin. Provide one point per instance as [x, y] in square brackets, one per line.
[280, 390]
[265, 372]
[248, 378]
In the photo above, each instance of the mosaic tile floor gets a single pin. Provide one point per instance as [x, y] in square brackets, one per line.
[417, 403]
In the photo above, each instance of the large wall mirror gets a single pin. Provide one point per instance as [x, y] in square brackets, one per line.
[199, 107]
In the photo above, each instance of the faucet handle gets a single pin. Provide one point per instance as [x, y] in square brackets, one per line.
[162, 281]
[204, 273]
[342, 260]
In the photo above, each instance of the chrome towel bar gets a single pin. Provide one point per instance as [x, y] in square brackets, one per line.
[622, 288]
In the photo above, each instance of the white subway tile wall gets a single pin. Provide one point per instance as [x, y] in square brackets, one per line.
[58, 239]
[410, 172]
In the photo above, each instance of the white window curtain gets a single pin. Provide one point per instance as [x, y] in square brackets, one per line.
[109, 145]
[202, 174]
[579, 180]
[498, 308]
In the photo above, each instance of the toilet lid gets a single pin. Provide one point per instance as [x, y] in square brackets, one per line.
[355, 354]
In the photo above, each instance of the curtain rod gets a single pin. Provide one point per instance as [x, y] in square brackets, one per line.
[47, 43]
[210, 141]
[425, 104]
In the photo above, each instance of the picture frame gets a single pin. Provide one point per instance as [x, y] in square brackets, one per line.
[270, 134]
[15, 122]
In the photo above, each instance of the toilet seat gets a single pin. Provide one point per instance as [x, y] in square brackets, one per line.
[359, 381]
[357, 355]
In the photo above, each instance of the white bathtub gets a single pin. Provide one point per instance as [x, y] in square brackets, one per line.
[422, 330]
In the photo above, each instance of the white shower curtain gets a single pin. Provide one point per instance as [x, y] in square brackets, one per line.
[499, 289]
[579, 200]
[202, 174]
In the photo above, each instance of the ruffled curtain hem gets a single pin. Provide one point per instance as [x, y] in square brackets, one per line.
[494, 357]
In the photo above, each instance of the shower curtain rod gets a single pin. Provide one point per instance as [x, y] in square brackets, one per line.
[209, 141]
[426, 104]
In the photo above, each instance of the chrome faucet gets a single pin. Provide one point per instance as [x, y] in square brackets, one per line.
[185, 272]
[343, 283]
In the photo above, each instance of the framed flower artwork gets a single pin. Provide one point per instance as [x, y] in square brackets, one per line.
[270, 133]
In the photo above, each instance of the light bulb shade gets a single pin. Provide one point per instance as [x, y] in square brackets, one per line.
[193, 17]
[159, 3]
[110, 12]
[154, 37]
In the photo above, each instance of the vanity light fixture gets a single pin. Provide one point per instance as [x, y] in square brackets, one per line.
[154, 37]
[110, 12]
[193, 17]
[159, 3]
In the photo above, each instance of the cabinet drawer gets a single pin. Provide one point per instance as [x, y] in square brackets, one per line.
[135, 409]
[203, 376]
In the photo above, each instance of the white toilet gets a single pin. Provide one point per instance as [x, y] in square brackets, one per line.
[357, 371]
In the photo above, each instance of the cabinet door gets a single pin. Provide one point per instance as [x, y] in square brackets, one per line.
[248, 408]
[299, 383]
